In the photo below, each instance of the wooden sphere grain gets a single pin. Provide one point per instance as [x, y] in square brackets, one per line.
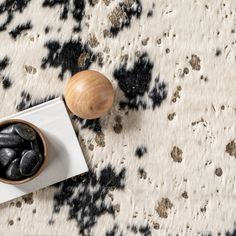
[89, 94]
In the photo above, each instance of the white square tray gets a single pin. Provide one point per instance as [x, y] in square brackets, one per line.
[65, 156]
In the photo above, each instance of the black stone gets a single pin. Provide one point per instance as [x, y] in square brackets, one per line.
[24, 151]
[8, 130]
[6, 156]
[10, 140]
[25, 131]
[35, 145]
[13, 171]
[25, 146]
[30, 163]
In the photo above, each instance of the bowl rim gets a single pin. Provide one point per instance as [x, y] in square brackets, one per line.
[45, 154]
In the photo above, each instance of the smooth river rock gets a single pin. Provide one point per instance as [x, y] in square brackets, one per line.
[7, 155]
[8, 130]
[25, 131]
[30, 163]
[10, 140]
[35, 145]
[13, 171]
[24, 151]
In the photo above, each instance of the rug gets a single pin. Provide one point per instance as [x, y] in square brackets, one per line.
[162, 161]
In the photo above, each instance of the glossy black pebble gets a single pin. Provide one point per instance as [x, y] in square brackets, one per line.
[8, 130]
[24, 151]
[6, 156]
[25, 131]
[13, 171]
[30, 163]
[34, 145]
[10, 140]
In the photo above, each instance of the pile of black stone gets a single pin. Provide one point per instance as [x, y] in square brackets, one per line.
[21, 151]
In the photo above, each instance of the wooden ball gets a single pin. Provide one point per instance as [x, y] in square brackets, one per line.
[89, 94]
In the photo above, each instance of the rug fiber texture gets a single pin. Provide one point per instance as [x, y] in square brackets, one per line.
[163, 160]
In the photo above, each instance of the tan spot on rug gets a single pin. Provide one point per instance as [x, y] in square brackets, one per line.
[156, 226]
[100, 139]
[83, 58]
[18, 204]
[171, 116]
[116, 16]
[176, 94]
[107, 2]
[91, 147]
[117, 208]
[218, 172]
[195, 62]
[82, 143]
[176, 154]
[145, 41]
[10, 222]
[186, 70]
[158, 41]
[28, 199]
[231, 148]
[184, 195]
[110, 195]
[30, 69]
[93, 41]
[94, 2]
[163, 206]
[107, 33]
[117, 127]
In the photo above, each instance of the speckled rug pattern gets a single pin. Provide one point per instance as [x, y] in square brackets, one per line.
[163, 160]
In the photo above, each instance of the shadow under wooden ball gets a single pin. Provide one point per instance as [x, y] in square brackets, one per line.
[89, 94]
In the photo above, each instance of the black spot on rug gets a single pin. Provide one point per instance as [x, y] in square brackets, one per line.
[4, 63]
[136, 85]
[114, 231]
[27, 101]
[85, 196]
[6, 82]
[20, 28]
[75, 8]
[233, 233]
[140, 151]
[9, 8]
[70, 56]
